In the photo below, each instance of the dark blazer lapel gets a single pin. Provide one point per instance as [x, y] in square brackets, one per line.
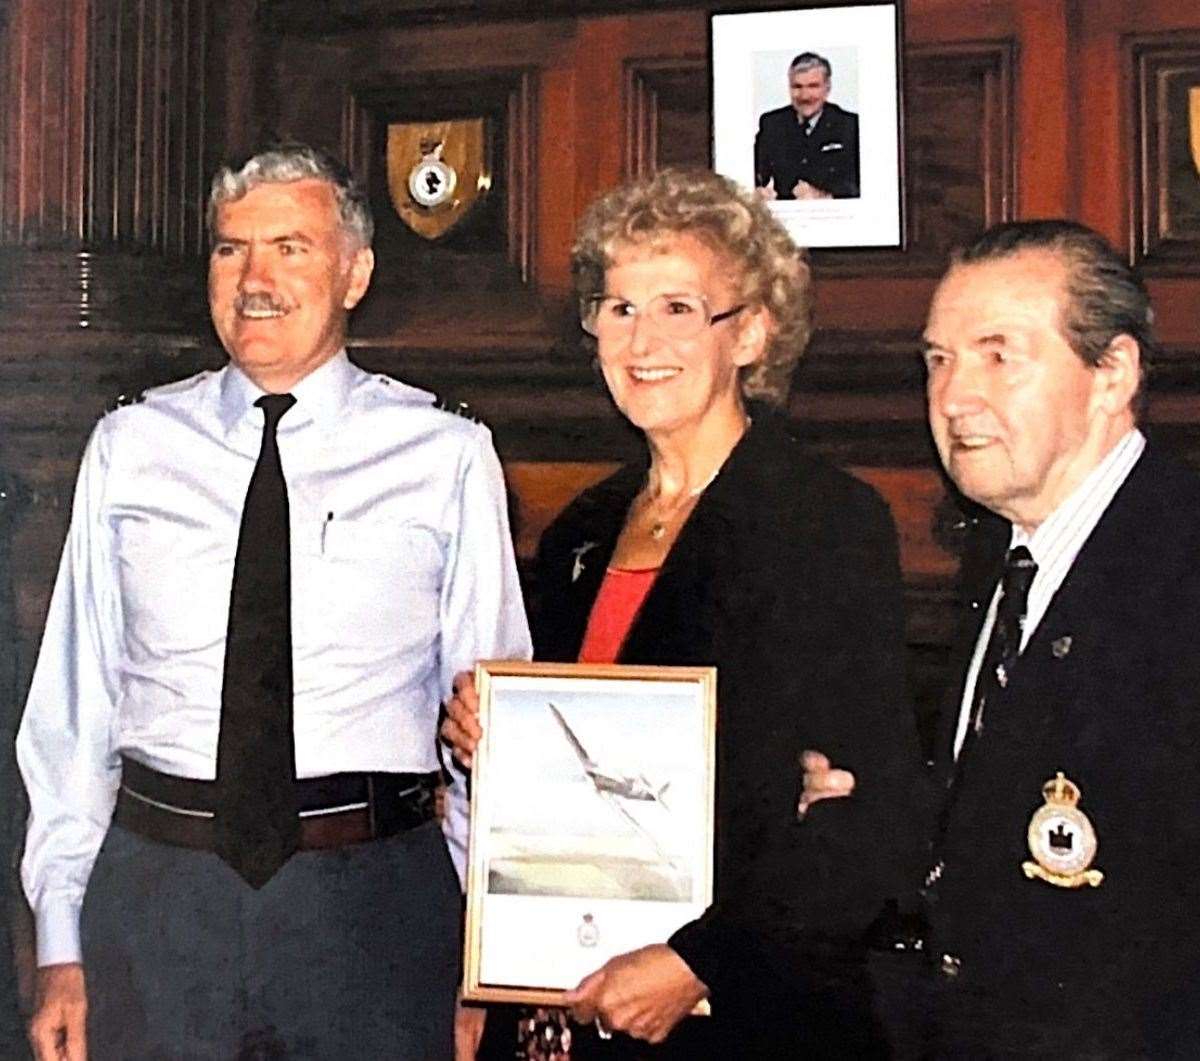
[1101, 592]
[1100, 582]
[982, 564]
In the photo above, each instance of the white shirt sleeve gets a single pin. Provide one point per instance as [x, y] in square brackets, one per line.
[482, 613]
[65, 744]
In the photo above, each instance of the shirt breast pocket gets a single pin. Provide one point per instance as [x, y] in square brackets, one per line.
[372, 581]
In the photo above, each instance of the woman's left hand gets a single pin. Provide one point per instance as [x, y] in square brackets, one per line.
[644, 993]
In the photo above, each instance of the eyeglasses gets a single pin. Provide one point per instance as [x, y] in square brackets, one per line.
[673, 316]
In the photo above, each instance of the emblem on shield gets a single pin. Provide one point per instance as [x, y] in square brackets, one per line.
[437, 172]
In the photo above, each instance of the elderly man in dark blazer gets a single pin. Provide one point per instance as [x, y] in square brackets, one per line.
[1063, 887]
[1070, 930]
[807, 149]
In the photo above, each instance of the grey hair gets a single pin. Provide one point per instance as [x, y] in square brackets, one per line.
[284, 163]
[1105, 297]
[810, 60]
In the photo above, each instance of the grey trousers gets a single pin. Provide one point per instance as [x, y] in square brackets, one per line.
[349, 953]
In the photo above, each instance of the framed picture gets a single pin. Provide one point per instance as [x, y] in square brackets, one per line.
[806, 108]
[591, 820]
[1166, 178]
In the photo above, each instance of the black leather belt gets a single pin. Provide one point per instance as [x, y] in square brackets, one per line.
[335, 811]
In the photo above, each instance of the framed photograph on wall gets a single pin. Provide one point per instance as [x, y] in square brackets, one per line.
[807, 109]
[591, 820]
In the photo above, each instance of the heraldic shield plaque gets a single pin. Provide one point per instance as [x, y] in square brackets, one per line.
[437, 172]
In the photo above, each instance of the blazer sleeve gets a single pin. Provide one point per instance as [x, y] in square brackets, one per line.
[820, 666]
[762, 164]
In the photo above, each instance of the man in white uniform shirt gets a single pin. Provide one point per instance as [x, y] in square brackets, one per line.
[272, 573]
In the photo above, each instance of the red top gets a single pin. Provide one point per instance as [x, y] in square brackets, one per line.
[616, 606]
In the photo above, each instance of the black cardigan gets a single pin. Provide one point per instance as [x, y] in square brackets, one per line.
[786, 578]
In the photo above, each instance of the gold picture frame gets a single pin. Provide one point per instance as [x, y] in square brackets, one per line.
[592, 803]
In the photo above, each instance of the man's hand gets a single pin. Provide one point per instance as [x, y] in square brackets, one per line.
[460, 727]
[468, 1030]
[644, 993]
[57, 1031]
[804, 190]
[767, 191]
[821, 781]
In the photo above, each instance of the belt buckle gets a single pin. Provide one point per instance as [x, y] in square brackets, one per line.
[397, 812]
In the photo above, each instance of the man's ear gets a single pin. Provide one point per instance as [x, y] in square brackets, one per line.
[362, 265]
[1118, 375]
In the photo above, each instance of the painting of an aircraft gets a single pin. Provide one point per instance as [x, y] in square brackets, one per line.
[614, 787]
[615, 784]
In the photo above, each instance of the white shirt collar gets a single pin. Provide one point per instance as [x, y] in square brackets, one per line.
[320, 396]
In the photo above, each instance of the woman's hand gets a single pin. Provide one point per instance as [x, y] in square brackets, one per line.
[460, 728]
[644, 993]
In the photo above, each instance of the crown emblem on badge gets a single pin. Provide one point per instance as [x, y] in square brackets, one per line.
[1061, 839]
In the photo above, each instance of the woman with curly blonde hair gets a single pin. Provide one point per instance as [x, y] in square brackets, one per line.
[729, 545]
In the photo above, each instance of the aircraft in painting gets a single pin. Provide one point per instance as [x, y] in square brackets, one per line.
[608, 782]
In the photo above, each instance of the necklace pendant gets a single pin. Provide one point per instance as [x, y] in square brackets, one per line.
[658, 530]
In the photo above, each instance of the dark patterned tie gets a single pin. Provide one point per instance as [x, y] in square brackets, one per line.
[1004, 645]
[257, 826]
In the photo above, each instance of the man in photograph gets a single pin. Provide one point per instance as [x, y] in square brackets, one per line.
[271, 574]
[807, 149]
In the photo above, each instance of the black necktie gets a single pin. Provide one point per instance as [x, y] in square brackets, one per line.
[1004, 645]
[257, 826]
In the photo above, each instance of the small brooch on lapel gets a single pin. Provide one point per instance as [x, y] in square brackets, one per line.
[1060, 646]
[1061, 839]
[579, 553]
[833, 145]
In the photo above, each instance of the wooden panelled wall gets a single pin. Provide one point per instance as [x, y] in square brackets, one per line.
[114, 112]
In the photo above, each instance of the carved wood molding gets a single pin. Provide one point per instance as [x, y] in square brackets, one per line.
[959, 155]
[334, 16]
[1165, 177]
[654, 88]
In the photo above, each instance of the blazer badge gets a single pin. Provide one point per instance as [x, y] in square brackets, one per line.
[1061, 839]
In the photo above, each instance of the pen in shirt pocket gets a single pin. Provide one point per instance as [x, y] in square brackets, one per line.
[325, 530]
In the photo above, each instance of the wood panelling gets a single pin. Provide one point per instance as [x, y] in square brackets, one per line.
[103, 141]
[147, 168]
[42, 125]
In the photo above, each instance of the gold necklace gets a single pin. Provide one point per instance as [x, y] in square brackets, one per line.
[659, 527]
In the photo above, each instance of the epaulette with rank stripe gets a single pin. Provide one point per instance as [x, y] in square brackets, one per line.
[457, 408]
[123, 399]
